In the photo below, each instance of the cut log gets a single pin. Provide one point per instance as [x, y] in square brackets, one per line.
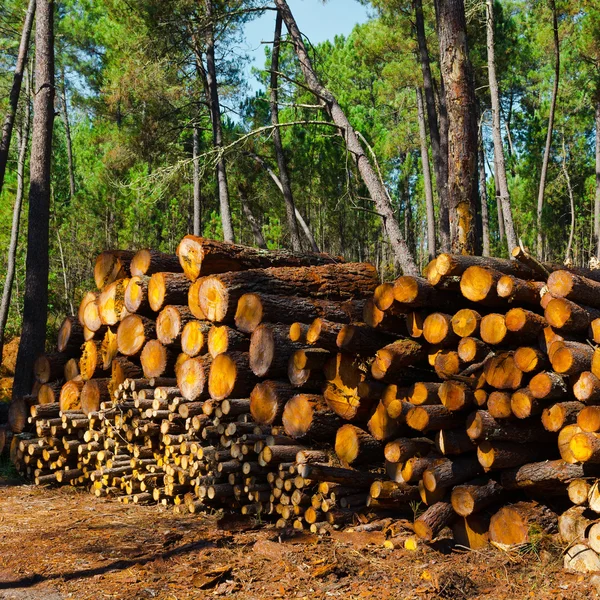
[219, 294]
[548, 386]
[268, 400]
[112, 265]
[581, 559]
[519, 291]
[589, 419]
[308, 416]
[135, 298]
[499, 405]
[108, 349]
[382, 426]
[585, 447]
[87, 298]
[472, 531]
[482, 426]
[437, 329]
[390, 321]
[530, 360]
[578, 491]
[465, 323]
[70, 395]
[192, 376]
[434, 519]
[414, 323]
[167, 288]
[354, 445]
[565, 436]
[122, 369]
[194, 300]
[573, 524]
[202, 256]
[425, 392]
[393, 358]
[390, 490]
[413, 469]
[90, 363]
[148, 261]
[527, 324]
[471, 350]
[343, 389]
[70, 337]
[507, 455]
[256, 308]
[567, 316]
[225, 339]
[523, 404]
[111, 302]
[502, 373]
[587, 388]
[513, 525]
[157, 360]
[133, 332]
[230, 376]
[493, 330]
[194, 337]
[383, 296]
[402, 449]
[455, 395]
[93, 393]
[347, 477]
[49, 393]
[450, 472]
[323, 334]
[456, 264]
[569, 358]
[49, 367]
[91, 317]
[453, 441]
[474, 497]
[479, 284]
[432, 418]
[170, 323]
[271, 350]
[566, 284]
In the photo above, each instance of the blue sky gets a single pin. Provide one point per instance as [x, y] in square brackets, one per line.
[317, 20]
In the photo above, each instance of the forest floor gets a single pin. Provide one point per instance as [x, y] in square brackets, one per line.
[63, 543]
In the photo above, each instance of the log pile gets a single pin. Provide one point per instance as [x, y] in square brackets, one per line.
[297, 386]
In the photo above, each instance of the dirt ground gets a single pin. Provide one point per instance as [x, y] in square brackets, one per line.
[63, 543]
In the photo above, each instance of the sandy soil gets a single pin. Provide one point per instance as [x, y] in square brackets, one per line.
[63, 543]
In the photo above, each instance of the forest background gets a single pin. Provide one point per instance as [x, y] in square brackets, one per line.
[134, 159]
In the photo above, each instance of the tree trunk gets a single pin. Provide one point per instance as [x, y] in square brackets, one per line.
[35, 309]
[485, 218]
[545, 160]
[215, 114]
[197, 201]
[462, 125]
[438, 140]
[15, 90]
[284, 177]
[509, 226]
[65, 118]
[431, 248]
[23, 139]
[305, 228]
[568, 259]
[258, 236]
[597, 201]
[369, 175]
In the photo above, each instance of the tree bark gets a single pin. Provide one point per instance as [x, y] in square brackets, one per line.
[439, 142]
[431, 248]
[15, 90]
[215, 114]
[284, 176]
[462, 125]
[545, 160]
[197, 200]
[23, 139]
[509, 226]
[568, 260]
[485, 218]
[65, 118]
[35, 309]
[369, 175]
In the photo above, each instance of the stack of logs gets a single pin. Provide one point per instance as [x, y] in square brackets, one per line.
[299, 387]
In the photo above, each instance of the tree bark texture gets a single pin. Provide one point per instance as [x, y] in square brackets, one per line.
[197, 200]
[462, 125]
[35, 309]
[485, 217]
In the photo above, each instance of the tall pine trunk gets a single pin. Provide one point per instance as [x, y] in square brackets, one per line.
[545, 160]
[509, 226]
[23, 139]
[281, 162]
[35, 310]
[254, 225]
[462, 125]
[215, 114]
[15, 90]
[437, 131]
[485, 217]
[431, 248]
[369, 175]
[197, 201]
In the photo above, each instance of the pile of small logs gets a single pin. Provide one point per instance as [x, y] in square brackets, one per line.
[298, 386]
